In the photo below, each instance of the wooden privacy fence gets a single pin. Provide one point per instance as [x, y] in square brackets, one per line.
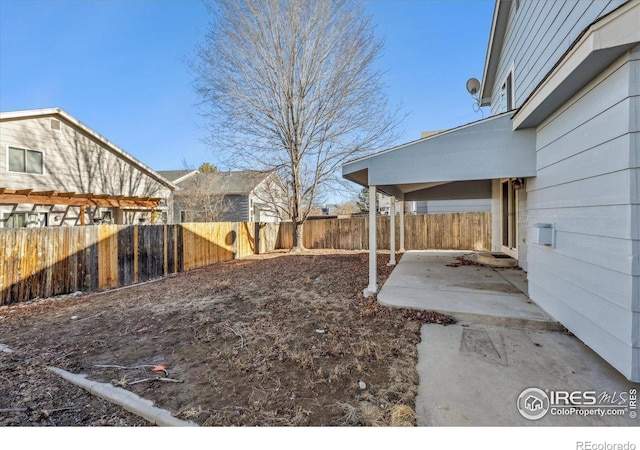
[453, 231]
[43, 262]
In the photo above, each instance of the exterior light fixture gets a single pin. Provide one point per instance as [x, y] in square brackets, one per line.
[517, 183]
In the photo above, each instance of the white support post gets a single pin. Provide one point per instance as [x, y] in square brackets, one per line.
[373, 266]
[392, 231]
[401, 250]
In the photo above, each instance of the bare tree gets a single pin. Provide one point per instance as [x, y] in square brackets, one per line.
[348, 208]
[202, 196]
[290, 85]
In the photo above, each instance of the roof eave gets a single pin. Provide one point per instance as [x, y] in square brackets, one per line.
[184, 177]
[494, 48]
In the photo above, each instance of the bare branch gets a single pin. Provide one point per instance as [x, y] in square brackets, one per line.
[290, 86]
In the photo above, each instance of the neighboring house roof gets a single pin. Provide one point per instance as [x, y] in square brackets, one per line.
[426, 134]
[176, 176]
[68, 118]
[240, 182]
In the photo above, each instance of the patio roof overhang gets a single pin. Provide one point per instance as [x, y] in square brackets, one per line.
[464, 159]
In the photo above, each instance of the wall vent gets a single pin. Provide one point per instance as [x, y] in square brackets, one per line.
[55, 125]
[544, 234]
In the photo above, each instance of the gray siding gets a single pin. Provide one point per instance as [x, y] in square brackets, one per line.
[587, 184]
[73, 162]
[453, 206]
[236, 209]
[537, 35]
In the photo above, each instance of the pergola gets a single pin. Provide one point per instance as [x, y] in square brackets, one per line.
[47, 198]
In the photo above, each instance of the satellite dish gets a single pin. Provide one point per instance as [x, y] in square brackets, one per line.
[473, 86]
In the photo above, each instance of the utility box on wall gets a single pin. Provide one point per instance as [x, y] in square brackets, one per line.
[543, 234]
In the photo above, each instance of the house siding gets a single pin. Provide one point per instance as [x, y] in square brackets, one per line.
[587, 185]
[73, 162]
[237, 209]
[269, 199]
[453, 206]
[538, 34]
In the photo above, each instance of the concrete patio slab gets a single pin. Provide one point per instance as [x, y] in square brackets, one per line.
[472, 375]
[436, 281]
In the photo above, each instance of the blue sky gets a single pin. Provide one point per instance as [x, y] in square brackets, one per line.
[119, 66]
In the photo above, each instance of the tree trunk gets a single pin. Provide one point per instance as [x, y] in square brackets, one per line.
[298, 245]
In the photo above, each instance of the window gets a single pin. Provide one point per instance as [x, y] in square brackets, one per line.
[26, 161]
[15, 220]
[506, 94]
[22, 220]
[107, 217]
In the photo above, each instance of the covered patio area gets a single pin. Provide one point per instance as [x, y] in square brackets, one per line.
[454, 283]
[483, 159]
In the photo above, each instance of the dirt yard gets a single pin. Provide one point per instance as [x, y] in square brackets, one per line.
[275, 340]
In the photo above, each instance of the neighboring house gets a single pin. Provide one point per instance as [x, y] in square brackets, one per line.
[232, 196]
[450, 206]
[330, 209]
[56, 171]
[559, 156]
[383, 203]
[435, 206]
